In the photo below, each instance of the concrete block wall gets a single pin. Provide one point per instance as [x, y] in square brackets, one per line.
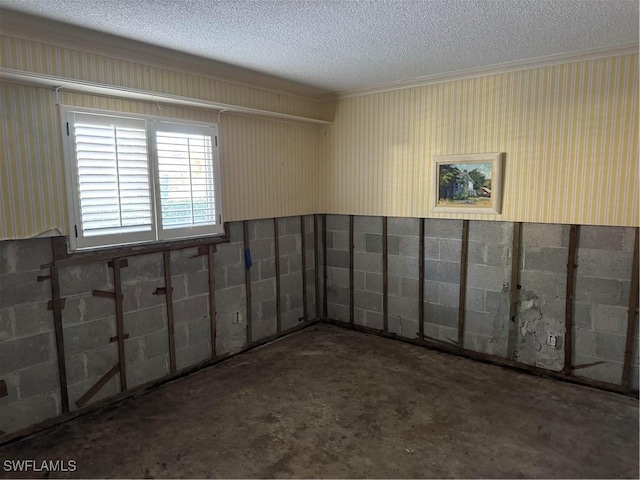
[28, 354]
[488, 284]
[602, 283]
[442, 253]
[403, 265]
[28, 360]
[337, 264]
[367, 268]
[541, 298]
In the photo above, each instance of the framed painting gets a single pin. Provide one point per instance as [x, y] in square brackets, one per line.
[468, 183]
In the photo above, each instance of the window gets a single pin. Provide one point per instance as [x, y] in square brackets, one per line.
[138, 179]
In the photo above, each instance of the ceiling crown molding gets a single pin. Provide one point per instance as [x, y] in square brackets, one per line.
[519, 65]
[29, 27]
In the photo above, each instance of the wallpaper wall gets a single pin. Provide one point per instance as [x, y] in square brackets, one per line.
[269, 168]
[570, 134]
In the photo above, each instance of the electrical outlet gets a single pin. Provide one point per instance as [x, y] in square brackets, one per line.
[237, 318]
[552, 340]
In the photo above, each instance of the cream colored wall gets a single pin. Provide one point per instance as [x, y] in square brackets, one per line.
[570, 134]
[269, 168]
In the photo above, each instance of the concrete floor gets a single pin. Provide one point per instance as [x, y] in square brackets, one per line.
[328, 402]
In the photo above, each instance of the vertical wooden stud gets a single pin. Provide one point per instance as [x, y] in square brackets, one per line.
[385, 277]
[212, 298]
[568, 312]
[59, 247]
[463, 282]
[316, 265]
[117, 290]
[513, 290]
[351, 282]
[421, 282]
[247, 282]
[169, 302]
[324, 265]
[276, 240]
[631, 317]
[303, 248]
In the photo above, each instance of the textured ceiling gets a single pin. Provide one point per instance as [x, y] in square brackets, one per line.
[345, 45]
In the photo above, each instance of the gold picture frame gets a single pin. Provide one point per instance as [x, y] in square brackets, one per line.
[467, 183]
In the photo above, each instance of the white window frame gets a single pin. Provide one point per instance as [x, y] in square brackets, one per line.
[153, 124]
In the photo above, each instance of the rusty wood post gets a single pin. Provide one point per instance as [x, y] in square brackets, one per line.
[247, 281]
[212, 298]
[631, 317]
[303, 248]
[169, 302]
[463, 282]
[117, 289]
[316, 265]
[513, 290]
[385, 277]
[98, 385]
[59, 250]
[351, 281]
[276, 239]
[421, 282]
[568, 311]
[324, 265]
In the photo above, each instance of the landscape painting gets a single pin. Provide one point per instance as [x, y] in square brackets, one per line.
[468, 183]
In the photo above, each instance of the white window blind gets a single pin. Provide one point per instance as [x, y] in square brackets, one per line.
[113, 175]
[134, 179]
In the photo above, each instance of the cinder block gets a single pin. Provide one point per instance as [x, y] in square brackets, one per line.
[497, 302]
[606, 372]
[294, 263]
[269, 309]
[442, 272]
[219, 277]
[441, 315]
[251, 229]
[373, 282]
[228, 254]
[336, 258]
[432, 292]
[482, 323]
[582, 315]
[339, 277]
[267, 269]
[432, 248]
[292, 282]
[76, 390]
[90, 335]
[11, 380]
[450, 250]
[403, 226]
[597, 290]
[265, 249]
[23, 414]
[600, 237]
[584, 342]
[147, 371]
[475, 298]
[485, 344]
[538, 284]
[625, 289]
[192, 355]
[628, 239]
[338, 312]
[183, 262]
[450, 295]
[338, 295]
[231, 299]
[263, 328]
[291, 319]
[409, 288]
[264, 229]
[487, 277]
[373, 320]
[38, 379]
[340, 240]
[403, 327]
[477, 253]
[292, 225]
[497, 254]
[235, 276]
[133, 350]
[199, 331]
[144, 267]
[366, 262]
[181, 331]
[358, 279]
[485, 231]
[338, 222]
[32, 319]
[403, 267]
[409, 246]
[22, 287]
[192, 308]
[441, 228]
[84, 279]
[236, 233]
[604, 263]
[610, 347]
[293, 301]
[143, 322]
[98, 362]
[401, 308]
[609, 319]
[373, 243]
[367, 224]
[545, 259]
[230, 336]
[329, 240]
[24, 255]
[197, 283]
[287, 245]
[7, 318]
[393, 285]
[544, 235]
